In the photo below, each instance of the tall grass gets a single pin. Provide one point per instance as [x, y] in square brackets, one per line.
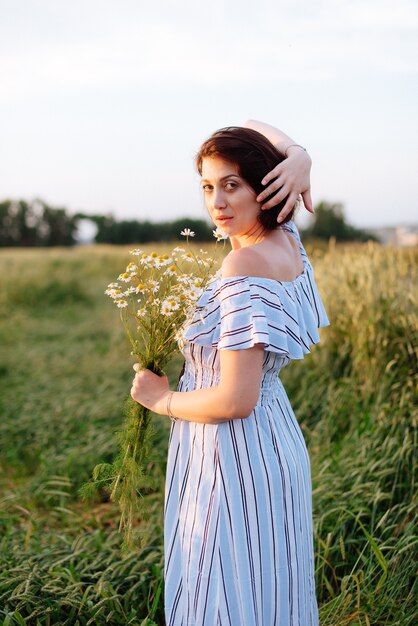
[357, 398]
[64, 376]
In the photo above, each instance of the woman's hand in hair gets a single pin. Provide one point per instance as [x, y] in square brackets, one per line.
[290, 178]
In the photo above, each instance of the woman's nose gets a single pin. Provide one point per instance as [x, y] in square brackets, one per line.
[218, 199]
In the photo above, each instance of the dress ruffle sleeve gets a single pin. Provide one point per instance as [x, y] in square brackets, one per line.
[240, 312]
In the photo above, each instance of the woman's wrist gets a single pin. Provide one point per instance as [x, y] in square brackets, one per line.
[293, 147]
[166, 406]
[300, 154]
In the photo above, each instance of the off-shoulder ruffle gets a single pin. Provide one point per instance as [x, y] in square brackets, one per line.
[239, 312]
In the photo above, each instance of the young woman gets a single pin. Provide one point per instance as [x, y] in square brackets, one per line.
[238, 519]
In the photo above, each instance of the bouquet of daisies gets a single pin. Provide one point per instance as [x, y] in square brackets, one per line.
[156, 294]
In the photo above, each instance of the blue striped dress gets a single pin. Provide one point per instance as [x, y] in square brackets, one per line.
[238, 516]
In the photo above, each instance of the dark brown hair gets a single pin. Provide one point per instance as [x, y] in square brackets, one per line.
[254, 155]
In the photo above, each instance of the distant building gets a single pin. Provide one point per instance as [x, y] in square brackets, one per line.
[86, 231]
[406, 235]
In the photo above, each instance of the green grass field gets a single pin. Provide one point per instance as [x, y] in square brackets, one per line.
[65, 372]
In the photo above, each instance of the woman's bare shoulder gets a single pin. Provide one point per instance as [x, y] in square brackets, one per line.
[245, 262]
[276, 259]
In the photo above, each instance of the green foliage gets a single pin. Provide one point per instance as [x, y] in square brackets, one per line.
[63, 379]
[124, 480]
[110, 230]
[330, 222]
[356, 393]
[35, 224]
[80, 578]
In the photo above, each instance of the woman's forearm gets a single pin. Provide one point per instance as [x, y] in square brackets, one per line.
[234, 397]
[277, 137]
[289, 178]
[211, 405]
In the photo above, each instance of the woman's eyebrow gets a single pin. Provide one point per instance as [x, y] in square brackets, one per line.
[205, 180]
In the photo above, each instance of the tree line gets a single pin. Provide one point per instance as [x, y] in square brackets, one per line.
[35, 223]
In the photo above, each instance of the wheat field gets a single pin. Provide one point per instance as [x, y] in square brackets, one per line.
[65, 372]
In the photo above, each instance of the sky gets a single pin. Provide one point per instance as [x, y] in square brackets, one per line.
[103, 104]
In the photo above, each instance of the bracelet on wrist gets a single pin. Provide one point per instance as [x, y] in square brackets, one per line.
[293, 145]
[169, 413]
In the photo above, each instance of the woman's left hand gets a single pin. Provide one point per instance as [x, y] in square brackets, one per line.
[293, 179]
[149, 389]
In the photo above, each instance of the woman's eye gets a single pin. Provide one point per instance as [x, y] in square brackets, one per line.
[229, 186]
[206, 187]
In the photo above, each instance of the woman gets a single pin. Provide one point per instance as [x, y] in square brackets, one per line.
[238, 521]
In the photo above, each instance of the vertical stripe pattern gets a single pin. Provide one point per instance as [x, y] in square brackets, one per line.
[238, 515]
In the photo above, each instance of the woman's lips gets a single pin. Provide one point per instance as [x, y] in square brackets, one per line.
[223, 219]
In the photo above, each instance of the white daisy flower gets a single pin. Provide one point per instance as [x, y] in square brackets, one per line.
[141, 312]
[114, 293]
[145, 259]
[186, 232]
[219, 234]
[195, 293]
[121, 304]
[163, 260]
[177, 250]
[169, 305]
[136, 252]
[184, 279]
[140, 288]
[187, 256]
[154, 255]
[171, 271]
[179, 337]
[153, 286]
[125, 277]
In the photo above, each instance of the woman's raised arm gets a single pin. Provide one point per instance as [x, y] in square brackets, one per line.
[292, 175]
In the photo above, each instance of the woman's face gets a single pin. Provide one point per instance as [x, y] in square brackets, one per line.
[230, 200]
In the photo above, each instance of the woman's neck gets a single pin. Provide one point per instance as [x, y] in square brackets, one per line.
[255, 235]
